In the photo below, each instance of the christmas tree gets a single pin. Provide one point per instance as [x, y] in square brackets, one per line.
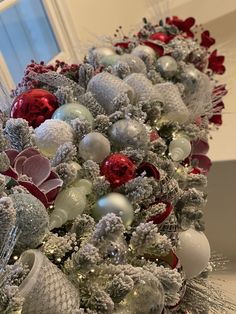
[103, 178]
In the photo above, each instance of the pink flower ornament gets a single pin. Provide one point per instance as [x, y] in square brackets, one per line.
[33, 171]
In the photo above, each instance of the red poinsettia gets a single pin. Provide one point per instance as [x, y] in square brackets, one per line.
[216, 63]
[217, 116]
[207, 40]
[183, 25]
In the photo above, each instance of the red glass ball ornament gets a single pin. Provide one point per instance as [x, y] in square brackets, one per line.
[35, 106]
[149, 169]
[118, 169]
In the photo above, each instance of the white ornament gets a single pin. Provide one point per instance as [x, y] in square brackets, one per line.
[51, 134]
[70, 203]
[179, 148]
[193, 252]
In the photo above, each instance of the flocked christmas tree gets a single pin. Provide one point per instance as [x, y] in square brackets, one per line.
[103, 178]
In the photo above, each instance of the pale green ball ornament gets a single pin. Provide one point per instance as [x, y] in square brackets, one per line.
[72, 111]
[114, 203]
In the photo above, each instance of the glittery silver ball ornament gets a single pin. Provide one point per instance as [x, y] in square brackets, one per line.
[94, 146]
[128, 133]
[32, 219]
[145, 53]
[190, 78]
[46, 289]
[114, 203]
[167, 66]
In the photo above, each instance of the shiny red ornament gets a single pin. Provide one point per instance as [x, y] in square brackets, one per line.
[149, 169]
[118, 169]
[35, 106]
[161, 37]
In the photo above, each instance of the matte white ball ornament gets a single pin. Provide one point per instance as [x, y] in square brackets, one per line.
[51, 134]
[193, 252]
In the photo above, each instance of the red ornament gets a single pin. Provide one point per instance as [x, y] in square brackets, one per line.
[161, 37]
[35, 106]
[195, 171]
[118, 169]
[149, 169]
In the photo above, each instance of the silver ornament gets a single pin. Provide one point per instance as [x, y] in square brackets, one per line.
[190, 78]
[32, 219]
[114, 203]
[102, 52]
[106, 87]
[128, 133]
[46, 288]
[94, 146]
[145, 53]
[167, 66]
[135, 64]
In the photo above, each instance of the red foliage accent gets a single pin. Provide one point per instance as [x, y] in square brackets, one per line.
[123, 44]
[216, 63]
[182, 25]
[161, 37]
[207, 40]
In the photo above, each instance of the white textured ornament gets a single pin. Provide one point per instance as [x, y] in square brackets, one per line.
[179, 148]
[46, 289]
[193, 251]
[51, 134]
[94, 146]
[143, 88]
[173, 106]
[114, 203]
[106, 88]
